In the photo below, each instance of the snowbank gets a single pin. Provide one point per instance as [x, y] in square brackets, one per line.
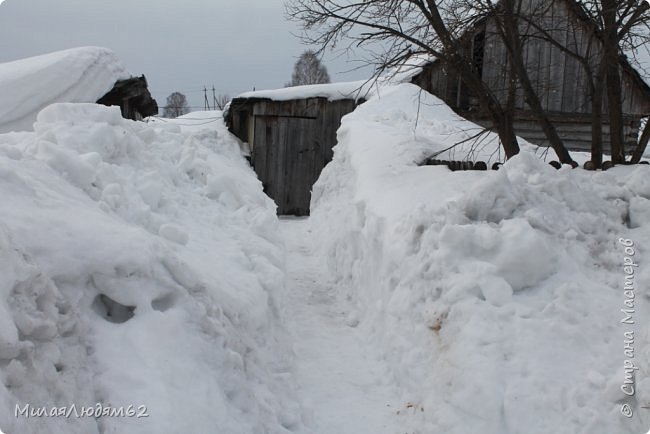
[76, 75]
[496, 295]
[139, 266]
[193, 121]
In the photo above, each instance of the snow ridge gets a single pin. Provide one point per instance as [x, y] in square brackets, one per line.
[27, 86]
[140, 266]
[495, 295]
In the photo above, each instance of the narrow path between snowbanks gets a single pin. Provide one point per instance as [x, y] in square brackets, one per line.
[340, 377]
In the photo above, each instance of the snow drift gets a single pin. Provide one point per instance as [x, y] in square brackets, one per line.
[496, 295]
[139, 266]
[29, 85]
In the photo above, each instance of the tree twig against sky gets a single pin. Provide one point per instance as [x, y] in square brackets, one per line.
[221, 101]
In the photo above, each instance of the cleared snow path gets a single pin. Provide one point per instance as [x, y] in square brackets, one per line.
[341, 378]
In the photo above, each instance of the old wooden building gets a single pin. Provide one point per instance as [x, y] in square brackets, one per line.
[560, 79]
[133, 97]
[291, 133]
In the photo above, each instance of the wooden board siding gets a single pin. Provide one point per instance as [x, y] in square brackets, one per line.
[291, 142]
[560, 79]
[575, 131]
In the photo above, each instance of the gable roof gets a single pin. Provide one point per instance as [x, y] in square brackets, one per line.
[579, 11]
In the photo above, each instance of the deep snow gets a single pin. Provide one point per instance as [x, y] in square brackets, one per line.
[141, 264]
[29, 85]
[495, 296]
[173, 225]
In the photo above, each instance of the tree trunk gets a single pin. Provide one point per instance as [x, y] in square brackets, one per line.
[456, 58]
[643, 142]
[507, 134]
[512, 40]
[613, 81]
[614, 105]
[597, 119]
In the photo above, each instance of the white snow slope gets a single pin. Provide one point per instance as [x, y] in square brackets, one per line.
[29, 85]
[142, 265]
[495, 297]
[139, 266]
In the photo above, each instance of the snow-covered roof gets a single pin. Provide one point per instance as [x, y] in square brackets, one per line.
[405, 72]
[347, 90]
[331, 91]
[82, 74]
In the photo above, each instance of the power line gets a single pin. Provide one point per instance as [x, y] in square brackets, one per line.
[185, 125]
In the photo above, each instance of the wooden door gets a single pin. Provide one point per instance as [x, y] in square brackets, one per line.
[284, 152]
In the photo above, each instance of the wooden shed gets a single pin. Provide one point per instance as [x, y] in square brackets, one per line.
[133, 97]
[560, 79]
[291, 133]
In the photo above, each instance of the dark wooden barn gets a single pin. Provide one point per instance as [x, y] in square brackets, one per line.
[560, 79]
[133, 97]
[291, 133]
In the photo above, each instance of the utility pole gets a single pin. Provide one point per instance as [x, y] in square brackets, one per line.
[206, 103]
[214, 99]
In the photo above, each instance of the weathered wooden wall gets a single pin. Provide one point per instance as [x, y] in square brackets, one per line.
[560, 79]
[575, 131]
[291, 142]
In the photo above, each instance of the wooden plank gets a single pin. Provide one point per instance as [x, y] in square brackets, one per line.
[582, 86]
[299, 157]
[260, 151]
[495, 69]
[557, 58]
[280, 159]
[294, 108]
[569, 98]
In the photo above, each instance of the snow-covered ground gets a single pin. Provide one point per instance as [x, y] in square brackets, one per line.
[29, 85]
[343, 378]
[142, 265]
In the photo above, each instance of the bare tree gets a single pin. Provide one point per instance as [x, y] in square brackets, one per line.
[398, 30]
[395, 31]
[176, 106]
[513, 28]
[221, 101]
[623, 26]
[643, 143]
[308, 69]
[597, 40]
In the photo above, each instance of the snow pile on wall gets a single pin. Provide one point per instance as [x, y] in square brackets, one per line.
[139, 266]
[497, 295]
[331, 91]
[27, 86]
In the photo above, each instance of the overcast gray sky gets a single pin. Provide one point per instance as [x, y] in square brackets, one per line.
[180, 45]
